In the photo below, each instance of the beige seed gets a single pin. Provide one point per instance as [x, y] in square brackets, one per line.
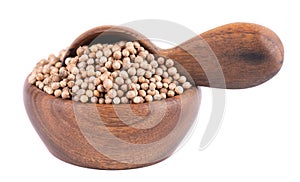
[142, 93]
[179, 90]
[136, 100]
[117, 54]
[119, 81]
[124, 100]
[169, 63]
[171, 93]
[125, 53]
[112, 93]
[116, 100]
[65, 94]
[186, 85]
[55, 85]
[172, 86]
[148, 74]
[131, 71]
[89, 93]
[94, 99]
[96, 93]
[152, 86]
[182, 79]
[172, 71]
[116, 65]
[160, 60]
[149, 98]
[140, 72]
[131, 94]
[159, 85]
[101, 101]
[157, 97]
[108, 101]
[57, 93]
[163, 90]
[48, 90]
[144, 86]
[70, 84]
[120, 93]
[84, 98]
[107, 83]
[79, 51]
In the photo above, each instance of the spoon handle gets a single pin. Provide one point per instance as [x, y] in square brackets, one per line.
[248, 54]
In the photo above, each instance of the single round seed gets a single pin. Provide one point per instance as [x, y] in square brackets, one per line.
[79, 51]
[124, 87]
[112, 93]
[152, 86]
[136, 100]
[170, 93]
[119, 81]
[83, 58]
[182, 79]
[99, 54]
[172, 86]
[107, 52]
[144, 86]
[172, 71]
[131, 94]
[157, 97]
[57, 93]
[116, 100]
[107, 83]
[80, 92]
[163, 90]
[128, 81]
[89, 93]
[179, 90]
[148, 74]
[101, 101]
[48, 90]
[100, 88]
[134, 79]
[84, 85]
[165, 75]
[140, 72]
[120, 93]
[55, 85]
[159, 85]
[125, 53]
[149, 98]
[92, 55]
[142, 93]
[131, 71]
[123, 74]
[176, 76]
[186, 85]
[84, 98]
[108, 101]
[161, 60]
[65, 94]
[96, 93]
[116, 65]
[90, 61]
[159, 71]
[124, 100]
[169, 63]
[116, 48]
[70, 84]
[94, 99]
[117, 54]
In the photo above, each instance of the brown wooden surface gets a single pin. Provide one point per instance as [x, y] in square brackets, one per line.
[248, 54]
[77, 133]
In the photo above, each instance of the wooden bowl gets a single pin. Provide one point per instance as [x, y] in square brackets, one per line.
[106, 136]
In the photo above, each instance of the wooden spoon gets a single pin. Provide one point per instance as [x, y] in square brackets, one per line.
[247, 54]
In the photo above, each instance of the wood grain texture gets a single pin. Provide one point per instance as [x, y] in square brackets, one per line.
[105, 136]
[233, 56]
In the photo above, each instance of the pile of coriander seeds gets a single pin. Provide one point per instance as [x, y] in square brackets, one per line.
[119, 73]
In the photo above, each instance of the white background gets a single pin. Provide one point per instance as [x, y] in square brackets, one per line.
[260, 135]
